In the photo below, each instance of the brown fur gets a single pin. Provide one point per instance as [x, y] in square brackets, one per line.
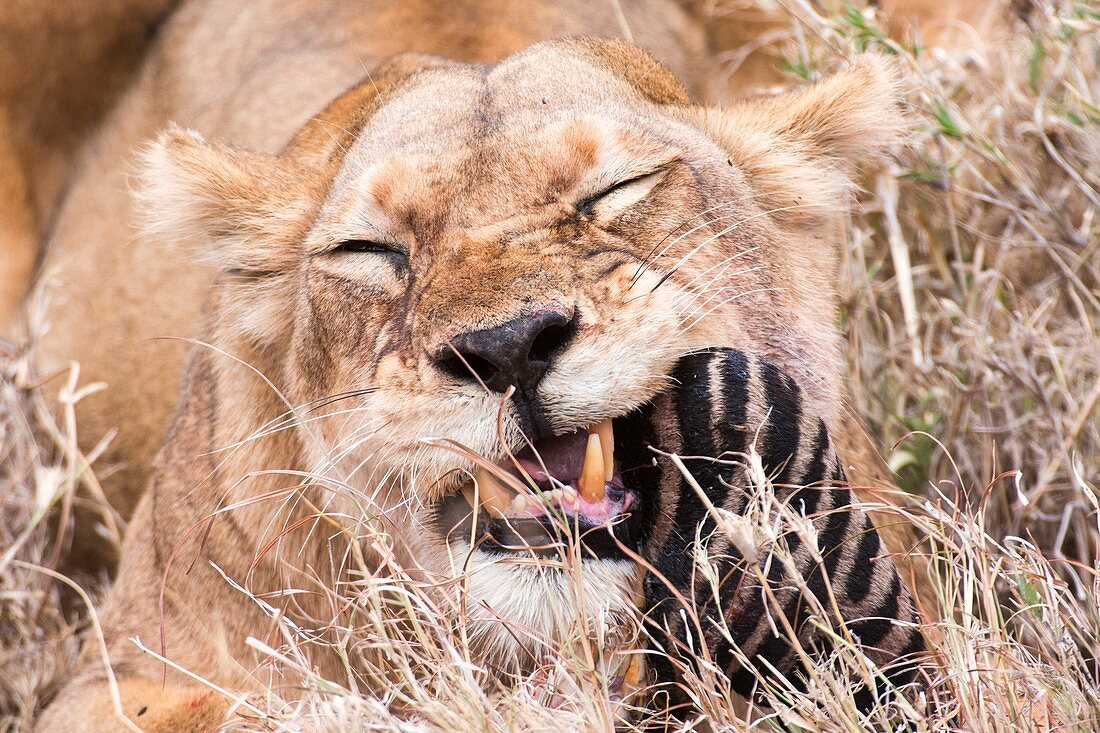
[62, 64]
[111, 325]
[474, 170]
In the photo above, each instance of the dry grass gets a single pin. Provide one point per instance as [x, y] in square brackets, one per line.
[40, 467]
[971, 296]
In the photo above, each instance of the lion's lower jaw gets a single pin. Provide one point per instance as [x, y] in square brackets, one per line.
[523, 614]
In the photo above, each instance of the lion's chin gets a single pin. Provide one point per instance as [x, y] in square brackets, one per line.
[520, 611]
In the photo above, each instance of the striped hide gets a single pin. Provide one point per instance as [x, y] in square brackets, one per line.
[723, 404]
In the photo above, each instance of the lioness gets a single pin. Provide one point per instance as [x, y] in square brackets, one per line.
[488, 244]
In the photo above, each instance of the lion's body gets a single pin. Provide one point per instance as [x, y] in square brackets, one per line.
[255, 93]
[478, 142]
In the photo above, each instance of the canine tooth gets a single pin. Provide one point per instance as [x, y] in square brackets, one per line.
[520, 502]
[606, 431]
[468, 494]
[633, 673]
[590, 485]
[494, 495]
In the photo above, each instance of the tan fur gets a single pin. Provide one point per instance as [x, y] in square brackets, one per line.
[62, 64]
[475, 170]
[956, 26]
[255, 95]
[159, 708]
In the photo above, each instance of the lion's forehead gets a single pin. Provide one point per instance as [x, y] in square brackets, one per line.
[462, 99]
[462, 172]
[522, 124]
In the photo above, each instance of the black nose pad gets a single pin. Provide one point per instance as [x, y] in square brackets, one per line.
[517, 353]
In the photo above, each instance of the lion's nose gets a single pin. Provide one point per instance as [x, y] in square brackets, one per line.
[517, 353]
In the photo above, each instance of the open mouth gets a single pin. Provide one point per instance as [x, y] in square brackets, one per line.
[578, 489]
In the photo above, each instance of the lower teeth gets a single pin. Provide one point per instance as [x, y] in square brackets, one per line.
[566, 497]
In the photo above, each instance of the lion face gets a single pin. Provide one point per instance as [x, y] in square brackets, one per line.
[468, 246]
[461, 274]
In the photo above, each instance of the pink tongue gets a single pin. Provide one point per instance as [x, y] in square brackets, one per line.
[562, 456]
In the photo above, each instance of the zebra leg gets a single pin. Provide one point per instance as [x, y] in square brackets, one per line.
[760, 606]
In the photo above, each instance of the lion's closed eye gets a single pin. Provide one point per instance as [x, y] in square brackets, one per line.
[612, 201]
[366, 245]
[393, 253]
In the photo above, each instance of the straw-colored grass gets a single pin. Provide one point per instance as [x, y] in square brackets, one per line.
[971, 300]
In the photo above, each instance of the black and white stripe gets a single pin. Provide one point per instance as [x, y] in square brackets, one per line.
[723, 403]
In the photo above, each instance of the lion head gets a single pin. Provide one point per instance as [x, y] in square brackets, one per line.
[462, 278]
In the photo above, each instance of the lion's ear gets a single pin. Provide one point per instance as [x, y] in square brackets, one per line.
[800, 150]
[246, 211]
